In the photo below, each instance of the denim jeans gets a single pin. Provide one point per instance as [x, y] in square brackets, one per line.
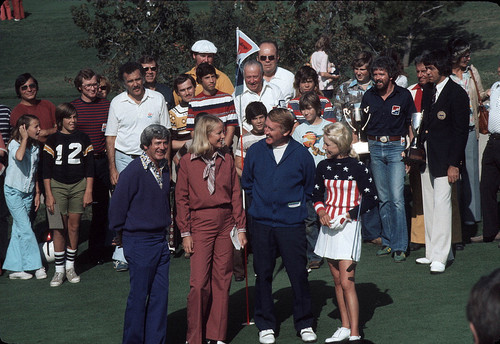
[389, 175]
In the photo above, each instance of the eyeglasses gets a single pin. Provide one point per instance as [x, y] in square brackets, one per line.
[153, 69]
[270, 57]
[88, 86]
[103, 88]
[25, 87]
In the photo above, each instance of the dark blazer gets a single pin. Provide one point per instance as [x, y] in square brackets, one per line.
[445, 127]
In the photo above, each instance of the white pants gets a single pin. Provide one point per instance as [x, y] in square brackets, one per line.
[436, 193]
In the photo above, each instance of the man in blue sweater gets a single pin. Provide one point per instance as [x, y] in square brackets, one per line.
[279, 176]
[139, 213]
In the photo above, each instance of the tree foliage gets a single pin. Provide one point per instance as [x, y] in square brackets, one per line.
[124, 30]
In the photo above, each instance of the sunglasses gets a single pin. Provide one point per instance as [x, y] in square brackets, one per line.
[25, 87]
[153, 69]
[270, 57]
[103, 88]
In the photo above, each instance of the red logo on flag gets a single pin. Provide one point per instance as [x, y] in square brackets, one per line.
[243, 46]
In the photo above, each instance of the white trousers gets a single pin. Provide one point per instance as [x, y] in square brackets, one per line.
[436, 193]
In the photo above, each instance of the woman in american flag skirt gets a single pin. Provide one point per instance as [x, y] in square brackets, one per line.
[346, 181]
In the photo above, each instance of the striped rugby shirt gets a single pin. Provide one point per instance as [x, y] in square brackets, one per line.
[92, 119]
[221, 105]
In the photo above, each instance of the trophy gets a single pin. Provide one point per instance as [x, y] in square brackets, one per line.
[357, 119]
[415, 154]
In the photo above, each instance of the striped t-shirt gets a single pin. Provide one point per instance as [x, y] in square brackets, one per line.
[220, 105]
[92, 119]
[5, 127]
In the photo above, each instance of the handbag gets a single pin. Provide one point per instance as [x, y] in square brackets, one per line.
[483, 113]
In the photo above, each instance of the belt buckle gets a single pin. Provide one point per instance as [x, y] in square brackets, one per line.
[383, 139]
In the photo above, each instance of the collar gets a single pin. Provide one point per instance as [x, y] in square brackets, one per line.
[216, 153]
[146, 162]
[355, 82]
[417, 87]
[264, 86]
[147, 94]
[440, 86]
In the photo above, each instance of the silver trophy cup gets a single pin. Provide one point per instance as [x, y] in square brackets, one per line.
[415, 155]
[357, 119]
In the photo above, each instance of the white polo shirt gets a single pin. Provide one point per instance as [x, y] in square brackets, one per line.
[270, 96]
[284, 80]
[127, 119]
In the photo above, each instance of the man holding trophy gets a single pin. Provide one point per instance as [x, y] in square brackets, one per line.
[389, 107]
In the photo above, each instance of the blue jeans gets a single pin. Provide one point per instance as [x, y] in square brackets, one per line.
[23, 253]
[389, 175]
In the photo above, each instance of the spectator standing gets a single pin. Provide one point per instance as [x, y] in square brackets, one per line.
[306, 79]
[104, 87]
[151, 70]
[68, 177]
[391, 107]
[326, 70]
[92, 118]
[268, 55]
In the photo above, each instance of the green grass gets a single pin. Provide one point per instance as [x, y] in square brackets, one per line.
[399, 303]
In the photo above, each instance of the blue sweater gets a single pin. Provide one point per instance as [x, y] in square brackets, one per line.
[138, 204]
[279, 191]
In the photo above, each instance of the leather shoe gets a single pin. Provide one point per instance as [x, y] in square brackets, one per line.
[423, 261]
[415, 247]
[267, 336]
[239, 278]
[308, 336]
[437, 268]
[459, 246]
[340, 335]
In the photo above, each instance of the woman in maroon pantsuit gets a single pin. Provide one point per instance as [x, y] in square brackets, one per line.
[209, 206]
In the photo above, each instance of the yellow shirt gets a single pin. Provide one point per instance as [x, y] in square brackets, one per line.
[223, 84]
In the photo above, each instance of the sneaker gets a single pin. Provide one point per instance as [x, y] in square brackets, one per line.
[355, 338]
[340, 335]
[40, 273]
[266, 336]
[422, 261]
[71, 276]
[120, 266]
[437, 268]
[20, 275]
[399, 256]
[57, 280]
[308, 336]
[384, 251]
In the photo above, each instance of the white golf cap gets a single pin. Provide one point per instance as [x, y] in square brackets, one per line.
[204, 47]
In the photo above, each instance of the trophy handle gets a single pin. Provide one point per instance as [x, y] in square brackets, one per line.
[347, 113]
[367, 120]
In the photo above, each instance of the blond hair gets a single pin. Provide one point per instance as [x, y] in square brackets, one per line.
[339, 134]
[203, 127]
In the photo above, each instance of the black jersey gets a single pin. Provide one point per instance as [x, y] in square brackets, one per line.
[68, 158]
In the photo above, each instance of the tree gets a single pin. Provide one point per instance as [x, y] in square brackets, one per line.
[122, 31]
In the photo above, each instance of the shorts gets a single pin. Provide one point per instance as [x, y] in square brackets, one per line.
[69, 197]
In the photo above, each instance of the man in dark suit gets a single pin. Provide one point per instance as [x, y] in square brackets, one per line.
[444, 131]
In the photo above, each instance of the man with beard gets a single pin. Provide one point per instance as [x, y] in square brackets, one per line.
[151, 71]
[390, 107]
[130, 113]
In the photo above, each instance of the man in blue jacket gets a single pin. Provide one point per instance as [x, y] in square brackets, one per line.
[279, 176]
[139, 212]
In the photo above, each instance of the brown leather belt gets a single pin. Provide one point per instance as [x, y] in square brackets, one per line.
[383, 139]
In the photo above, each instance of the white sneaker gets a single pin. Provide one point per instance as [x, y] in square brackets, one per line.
[40, 273]
[57, 280]
[71, 276]
[437, 268]
[354, 338]
[423, 261]
[308, 336]
[20, 275]
[266, 336]
[340, 335]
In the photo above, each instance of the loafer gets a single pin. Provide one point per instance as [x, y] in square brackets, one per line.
[340, 335]
[437, 268]
[423, 261]
[384, 251]
[399, 256]
[20, 275]
[267, 337]
[308, 336]
[314, 264]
